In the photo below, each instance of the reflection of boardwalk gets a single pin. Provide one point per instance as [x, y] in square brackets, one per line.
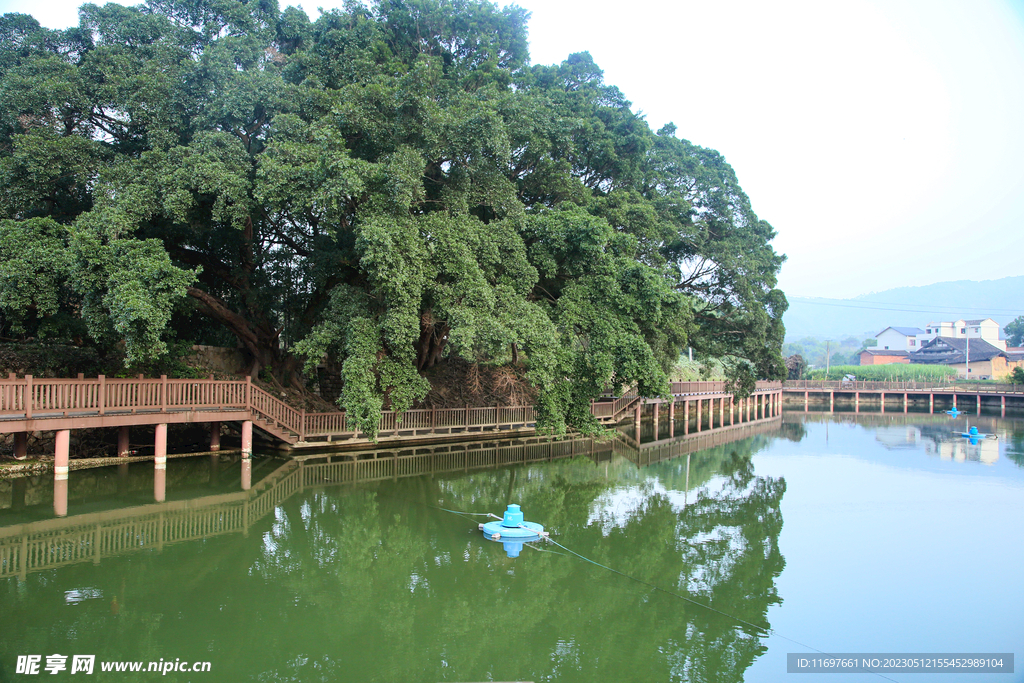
[667, 449]
[91, 537]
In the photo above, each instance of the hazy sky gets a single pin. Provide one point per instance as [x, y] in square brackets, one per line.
[883, 140]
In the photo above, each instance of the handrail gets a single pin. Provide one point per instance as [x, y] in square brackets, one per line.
[50, 398]
[909, 385]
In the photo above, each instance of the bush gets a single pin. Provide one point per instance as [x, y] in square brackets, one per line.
[897, 372]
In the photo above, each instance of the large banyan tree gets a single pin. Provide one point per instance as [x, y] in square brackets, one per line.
[383, 189]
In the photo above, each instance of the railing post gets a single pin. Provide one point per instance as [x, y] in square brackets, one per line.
[467, 417]
[302, 425]
[163, 393]
[248, 392]
[103, 393]
[28, 397]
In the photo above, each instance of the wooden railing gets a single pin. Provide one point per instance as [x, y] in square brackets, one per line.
[63, 397]
[336, 424]
[51, 398]
[937, 385]
[719, 387]
[270, 408]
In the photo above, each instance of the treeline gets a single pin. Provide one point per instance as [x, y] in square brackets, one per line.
[377, 192]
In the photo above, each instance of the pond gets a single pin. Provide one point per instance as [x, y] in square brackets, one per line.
[836, 533]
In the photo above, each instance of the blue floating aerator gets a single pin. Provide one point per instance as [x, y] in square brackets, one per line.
[512, 531]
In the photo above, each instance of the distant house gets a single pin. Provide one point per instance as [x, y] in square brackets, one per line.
[987, 329]
[899, 339]
[986, 361]
[883, 357]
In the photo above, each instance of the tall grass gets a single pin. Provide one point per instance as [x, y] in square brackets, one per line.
[897, 372]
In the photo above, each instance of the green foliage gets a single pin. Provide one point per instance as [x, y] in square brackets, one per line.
[1015, 332]
[898, 372]
[813, 351]
[1017, 376]
[389, 186]
[795, 366]
[686, 370]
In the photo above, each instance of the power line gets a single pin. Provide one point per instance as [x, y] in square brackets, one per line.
[936, 309]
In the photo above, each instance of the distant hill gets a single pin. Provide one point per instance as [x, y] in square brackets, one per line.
[868, 314]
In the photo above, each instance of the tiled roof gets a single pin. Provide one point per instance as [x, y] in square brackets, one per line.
[885, 352]
[951, 350]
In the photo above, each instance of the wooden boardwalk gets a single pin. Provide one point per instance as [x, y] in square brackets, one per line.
[975, 395]
[28, 404]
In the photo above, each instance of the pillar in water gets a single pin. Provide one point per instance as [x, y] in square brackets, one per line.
[160, 447]
[160, 483]
[247, 438]
[215, 436]
[123, 442]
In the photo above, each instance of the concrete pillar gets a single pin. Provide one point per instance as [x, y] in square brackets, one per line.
[160, 447]
[686, 416]
[979, 404]
[246, 474]
[856, 401]
[954, 399]
[732, 413]
[672, 418]
[60, 497]
[215, 436]
[721, 412]
[61, 454]
[160, 483]
[656, 410]
[931, 403]
[247, 435]
[831, 401]
[1002, 406]
[905, 401]
[21, 444]
[636, 421]
[806, 401]
[883, 402]
[124, 445]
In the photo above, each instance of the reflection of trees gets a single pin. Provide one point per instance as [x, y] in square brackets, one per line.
[371, 583]
[1015, 444]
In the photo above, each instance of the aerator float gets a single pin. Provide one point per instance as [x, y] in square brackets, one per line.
[512, 532]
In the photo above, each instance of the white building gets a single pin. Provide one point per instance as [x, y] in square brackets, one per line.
[986, 329]
[900, 339]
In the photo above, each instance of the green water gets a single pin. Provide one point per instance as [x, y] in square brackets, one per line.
[847, 534]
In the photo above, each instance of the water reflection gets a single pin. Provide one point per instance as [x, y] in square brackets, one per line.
[370, 581]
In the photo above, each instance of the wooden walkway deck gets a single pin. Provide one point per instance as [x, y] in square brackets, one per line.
[28, 404]
[995, 395]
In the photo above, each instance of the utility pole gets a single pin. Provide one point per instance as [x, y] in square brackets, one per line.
[967, 355]
[828, 357]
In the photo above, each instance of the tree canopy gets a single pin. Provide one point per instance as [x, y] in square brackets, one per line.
[1015, 331]
[382, 190]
